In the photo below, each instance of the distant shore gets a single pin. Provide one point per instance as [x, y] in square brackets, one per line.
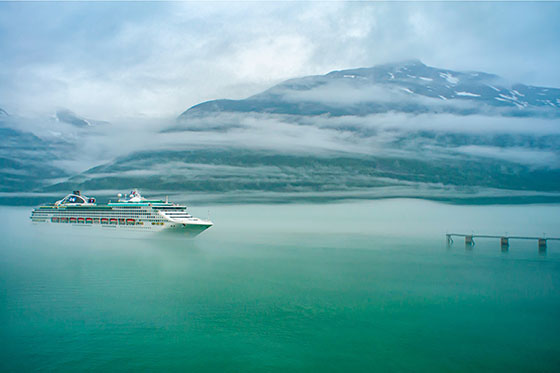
[234, 198]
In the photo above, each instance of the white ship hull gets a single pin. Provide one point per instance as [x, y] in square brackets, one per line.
[188, 230]
[134, 215]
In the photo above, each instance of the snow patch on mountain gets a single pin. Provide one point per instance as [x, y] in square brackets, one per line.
[449, 77]
[468, 94]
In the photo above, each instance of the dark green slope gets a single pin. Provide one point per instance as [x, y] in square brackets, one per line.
[245, 171]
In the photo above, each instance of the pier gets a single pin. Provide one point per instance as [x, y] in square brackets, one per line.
[504, 240]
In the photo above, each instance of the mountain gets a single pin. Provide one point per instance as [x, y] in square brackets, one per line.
[236, 175]
[396, 130]
[407, 87]
[26, 161]
[68, 116]
[38, 151]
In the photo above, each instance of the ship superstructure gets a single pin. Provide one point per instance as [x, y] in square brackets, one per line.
[130, 212]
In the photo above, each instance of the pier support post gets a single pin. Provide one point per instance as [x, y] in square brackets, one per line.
[504, 243]
[449, 240]
[469, 240]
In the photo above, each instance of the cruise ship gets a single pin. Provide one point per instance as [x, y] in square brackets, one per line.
[130, 212]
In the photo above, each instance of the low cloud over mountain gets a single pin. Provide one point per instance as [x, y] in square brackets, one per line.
[402, 129]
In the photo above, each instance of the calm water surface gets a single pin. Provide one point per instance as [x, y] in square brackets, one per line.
[352, 286]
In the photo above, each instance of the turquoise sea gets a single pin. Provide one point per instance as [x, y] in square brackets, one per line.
[354, 286]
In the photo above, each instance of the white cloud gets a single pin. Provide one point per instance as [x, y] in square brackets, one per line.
[275, 57]
[107, 60]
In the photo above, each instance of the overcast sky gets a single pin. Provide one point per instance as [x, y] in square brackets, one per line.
[154, 60]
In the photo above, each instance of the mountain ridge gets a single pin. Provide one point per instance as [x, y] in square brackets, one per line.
[408, 87]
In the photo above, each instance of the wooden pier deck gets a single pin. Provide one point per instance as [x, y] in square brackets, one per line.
[504, 240]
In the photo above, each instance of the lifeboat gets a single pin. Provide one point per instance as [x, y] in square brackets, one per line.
[113, 221]
[104, 221]
[73, 220]
[89, 221]
[81, 220]
[64, 220]
[130, 221]
[54, 220]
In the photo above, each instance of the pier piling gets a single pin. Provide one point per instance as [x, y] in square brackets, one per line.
[449, 240]
[504, 242]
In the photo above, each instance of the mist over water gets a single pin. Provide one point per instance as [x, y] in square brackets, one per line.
[346, 286]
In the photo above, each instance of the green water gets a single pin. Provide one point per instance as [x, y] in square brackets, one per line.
[365, 286]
